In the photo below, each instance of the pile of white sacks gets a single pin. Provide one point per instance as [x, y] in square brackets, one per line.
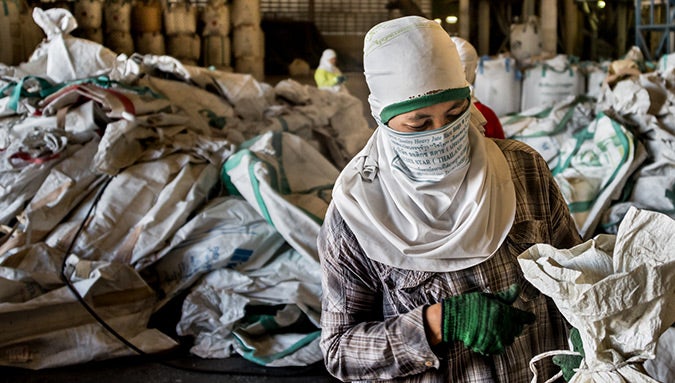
[606, 129]
[126, 181]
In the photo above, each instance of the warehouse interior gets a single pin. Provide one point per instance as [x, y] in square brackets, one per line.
[114, 246]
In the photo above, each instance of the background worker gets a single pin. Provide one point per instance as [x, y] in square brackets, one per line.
[469, 58]
[328, 75]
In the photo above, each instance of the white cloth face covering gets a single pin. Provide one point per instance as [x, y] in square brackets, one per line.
[430, 155]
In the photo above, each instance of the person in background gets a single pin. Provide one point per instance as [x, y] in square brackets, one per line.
[419, 245]
[328, 75]
[469, 58]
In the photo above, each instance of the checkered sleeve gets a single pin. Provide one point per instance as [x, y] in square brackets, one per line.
[356, 341]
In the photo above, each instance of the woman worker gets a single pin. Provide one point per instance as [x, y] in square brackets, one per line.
[328, 76]
[419, 245]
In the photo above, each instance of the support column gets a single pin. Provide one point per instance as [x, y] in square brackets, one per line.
[528, 9]
[484, 28]
[464, 19]
[572, 28]
[621, 29]
[549, 26]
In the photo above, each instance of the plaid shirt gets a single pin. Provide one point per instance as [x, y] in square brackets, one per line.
[372, 324]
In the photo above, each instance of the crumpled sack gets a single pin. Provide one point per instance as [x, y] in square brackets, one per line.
[619, 295]
[53, 329]
[270, 316]
[287, 181]
[593, 168]
[63, 57]
[226, 233]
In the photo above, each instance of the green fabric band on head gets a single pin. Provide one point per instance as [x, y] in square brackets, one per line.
[393, 110]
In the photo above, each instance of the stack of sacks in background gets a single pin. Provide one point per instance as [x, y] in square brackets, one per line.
[526, 41]
[248, 41]
[180, 28]
[498, 84]
[89, 16]
[222, 34]
[527, 76]
[604, 128]
[216, 46]
[596, 74]
[19, 35]
[547, 77]
[610, 146]
[550, 81]
[146, 25]
[509, 88]
[644, 102]
[117, 27]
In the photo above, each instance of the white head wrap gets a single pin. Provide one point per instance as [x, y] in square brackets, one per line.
[469, 58]
[398, 65]
[449, 224]
[325, 61]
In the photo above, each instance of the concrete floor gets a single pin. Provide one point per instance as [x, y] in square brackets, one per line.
[168, 369]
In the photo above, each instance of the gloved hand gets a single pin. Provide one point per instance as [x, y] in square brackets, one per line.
[568, 363]
[341, 79]
[485, 323]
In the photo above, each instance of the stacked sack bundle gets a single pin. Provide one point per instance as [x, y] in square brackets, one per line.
[19, 35]
[498, 84]
[216, 50]
[180, 28]
[118, 26]
[89, 16]
[220, 34]
[146, 25]
[595, 73]
[551, 81]
[248, 42]
[526, 40]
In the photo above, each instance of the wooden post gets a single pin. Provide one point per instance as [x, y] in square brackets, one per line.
[549, 26]
[572, 27]
[621, 28]
[483, 28]
[464, 19]
[528, 9]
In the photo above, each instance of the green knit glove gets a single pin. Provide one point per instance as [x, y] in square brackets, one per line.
[568, 363]
[485, 323]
